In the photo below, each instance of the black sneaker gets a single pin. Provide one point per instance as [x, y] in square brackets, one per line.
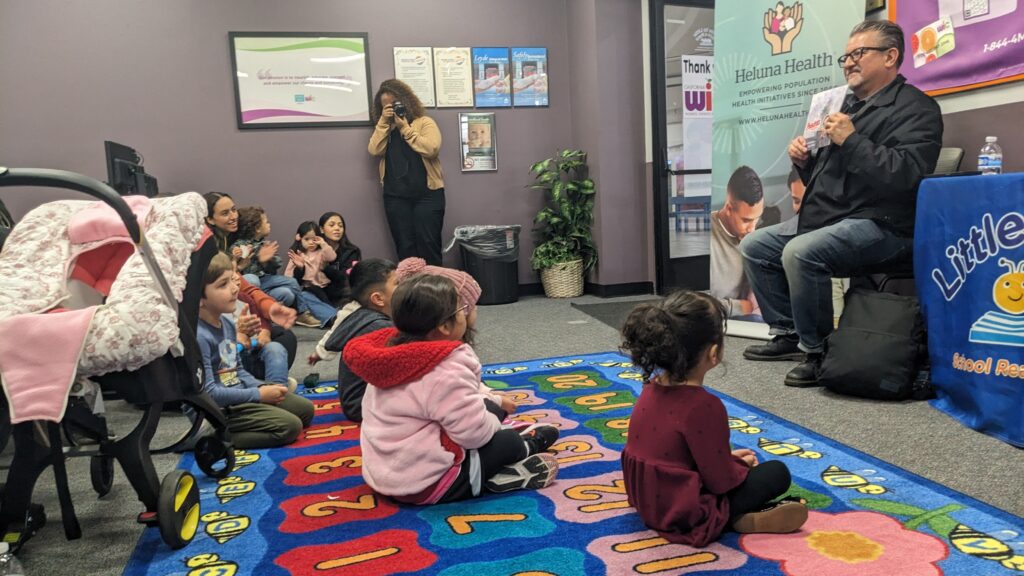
[539, 438]
[536, 471]
[778, 348]
[779, 518]
[805, 375]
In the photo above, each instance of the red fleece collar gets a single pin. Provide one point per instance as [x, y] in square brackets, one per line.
[383, 366]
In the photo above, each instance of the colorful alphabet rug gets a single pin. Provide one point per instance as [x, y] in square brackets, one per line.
[304, 509]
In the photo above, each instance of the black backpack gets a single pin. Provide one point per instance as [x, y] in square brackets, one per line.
[879, 350]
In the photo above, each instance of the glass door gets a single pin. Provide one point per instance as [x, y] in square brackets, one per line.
[682, 55]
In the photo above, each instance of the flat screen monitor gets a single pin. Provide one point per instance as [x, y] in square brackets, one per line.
[125, 173]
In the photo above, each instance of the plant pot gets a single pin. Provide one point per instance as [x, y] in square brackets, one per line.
[563, 280]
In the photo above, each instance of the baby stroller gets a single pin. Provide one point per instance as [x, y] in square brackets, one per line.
[136, 341]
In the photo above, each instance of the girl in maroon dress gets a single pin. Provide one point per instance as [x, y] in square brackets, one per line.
[680, 472]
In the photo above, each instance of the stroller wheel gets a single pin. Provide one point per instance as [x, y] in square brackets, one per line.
[101, 472]
[178, 508]
[209, 451]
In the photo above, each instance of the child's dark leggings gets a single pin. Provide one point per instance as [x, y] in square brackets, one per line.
[505, 447]
[765, 482]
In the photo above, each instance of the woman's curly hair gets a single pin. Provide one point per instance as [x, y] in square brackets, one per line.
[249, 220]
[671, 335]
[402, 93]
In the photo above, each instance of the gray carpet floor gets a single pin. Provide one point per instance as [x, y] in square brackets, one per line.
[909, 434]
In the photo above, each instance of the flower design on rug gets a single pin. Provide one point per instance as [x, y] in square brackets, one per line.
[850, 544]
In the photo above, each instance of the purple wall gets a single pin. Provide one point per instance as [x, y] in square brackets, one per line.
[156, 76]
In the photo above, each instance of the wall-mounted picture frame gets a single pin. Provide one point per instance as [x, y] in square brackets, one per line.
[529, 77]
[453, 77]
[301, 79]
[492, 78]
[478, 140]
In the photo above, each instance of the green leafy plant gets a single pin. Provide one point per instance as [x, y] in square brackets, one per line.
[563, 225]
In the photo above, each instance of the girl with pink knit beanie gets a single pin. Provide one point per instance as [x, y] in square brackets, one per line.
[432, 431]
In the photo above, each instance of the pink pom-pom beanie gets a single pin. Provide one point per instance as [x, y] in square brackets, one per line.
[468, 289]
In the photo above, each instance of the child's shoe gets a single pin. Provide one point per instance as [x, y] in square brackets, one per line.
[539, 437]
[536, 471]
[778, 518]
[292, 384]
[308, 320]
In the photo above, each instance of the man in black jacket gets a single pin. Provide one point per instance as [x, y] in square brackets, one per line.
[858, 209]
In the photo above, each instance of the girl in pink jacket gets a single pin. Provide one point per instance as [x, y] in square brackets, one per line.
[431, 433]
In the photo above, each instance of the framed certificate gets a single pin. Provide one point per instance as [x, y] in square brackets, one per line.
[415, 67]
[478, 142]
[453, 77]
[300, 79]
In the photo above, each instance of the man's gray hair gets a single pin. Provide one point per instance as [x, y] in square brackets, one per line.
[889, 34]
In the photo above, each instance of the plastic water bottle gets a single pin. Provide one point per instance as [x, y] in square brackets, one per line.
[9, 565]
[990, 159]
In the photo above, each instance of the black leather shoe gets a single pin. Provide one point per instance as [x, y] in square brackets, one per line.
[805, 375]
[778, 348]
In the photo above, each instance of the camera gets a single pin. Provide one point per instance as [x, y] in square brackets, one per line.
[399, 109]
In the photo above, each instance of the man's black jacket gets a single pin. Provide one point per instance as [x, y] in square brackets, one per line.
[875, 173]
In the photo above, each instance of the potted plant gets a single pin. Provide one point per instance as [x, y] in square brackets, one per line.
[565, 250]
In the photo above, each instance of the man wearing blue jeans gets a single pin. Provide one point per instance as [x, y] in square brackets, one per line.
[858, 208]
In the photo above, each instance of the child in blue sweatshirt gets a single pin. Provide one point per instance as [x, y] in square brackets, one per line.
[260, 415]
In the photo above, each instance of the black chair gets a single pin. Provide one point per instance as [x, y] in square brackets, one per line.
[897, 276]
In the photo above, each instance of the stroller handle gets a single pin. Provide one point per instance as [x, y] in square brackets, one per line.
[48, 178]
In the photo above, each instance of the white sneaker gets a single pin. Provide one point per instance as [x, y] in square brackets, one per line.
[534, 472]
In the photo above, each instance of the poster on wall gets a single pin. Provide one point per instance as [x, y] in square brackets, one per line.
[297, 79]
[415, 67]
[781, 54]
[478, 142]
[529, 77]
[956, 45]
[491, 76]
[453, 77]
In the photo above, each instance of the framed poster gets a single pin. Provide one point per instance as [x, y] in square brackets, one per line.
[453, 77]
[529, 77]
[491, 76]
[478, 141]
[415, 67]
[300, 79]
[957, 45]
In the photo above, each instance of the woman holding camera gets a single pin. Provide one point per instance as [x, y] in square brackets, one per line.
[408, 143]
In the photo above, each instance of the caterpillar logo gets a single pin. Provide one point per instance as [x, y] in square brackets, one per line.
[1005, 328]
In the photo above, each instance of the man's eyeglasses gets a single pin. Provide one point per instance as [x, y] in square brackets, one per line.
[855, 55]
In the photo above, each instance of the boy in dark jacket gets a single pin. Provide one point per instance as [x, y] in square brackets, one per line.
[372, 281]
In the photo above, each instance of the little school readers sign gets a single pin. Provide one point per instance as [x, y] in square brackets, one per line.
[969, 266]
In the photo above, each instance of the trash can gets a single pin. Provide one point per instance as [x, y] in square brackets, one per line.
[490, 254]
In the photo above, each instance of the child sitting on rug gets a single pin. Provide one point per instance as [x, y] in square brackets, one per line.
[260, 415]
[373, 283]
[427, 435]
[680, 472]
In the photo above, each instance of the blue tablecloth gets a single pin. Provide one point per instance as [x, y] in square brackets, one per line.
[969, 266]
